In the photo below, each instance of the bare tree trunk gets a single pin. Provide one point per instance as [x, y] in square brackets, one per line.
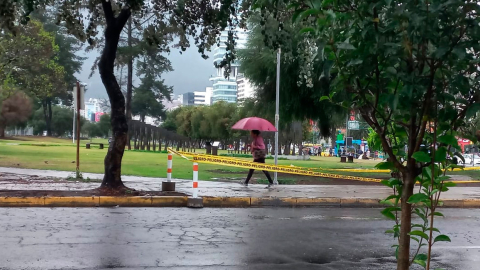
[155, 140]
[403, 262]
[128, 104]
[2, 130]
[333, 139]
[113, 159]
[47, 113]
[148, 138]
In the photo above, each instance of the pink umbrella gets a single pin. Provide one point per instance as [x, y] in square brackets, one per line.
[254, 123]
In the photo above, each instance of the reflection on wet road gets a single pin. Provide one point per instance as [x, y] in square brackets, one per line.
[180, 238]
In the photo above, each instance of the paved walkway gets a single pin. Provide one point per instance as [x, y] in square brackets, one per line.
[29, 179]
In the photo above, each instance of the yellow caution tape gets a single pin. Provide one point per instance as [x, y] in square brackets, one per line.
[235, 162]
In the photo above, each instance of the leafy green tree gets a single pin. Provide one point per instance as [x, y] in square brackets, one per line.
[170, 122]
[15, 109]
[410, 68]
[104, 125]
[92, 129]
[68, 46]
[43, 79]
[62, 123]
[299, 97]
[148, 97]
[183, 121]
[202, 20]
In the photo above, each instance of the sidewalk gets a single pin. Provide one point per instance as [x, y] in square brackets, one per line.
[221, 191]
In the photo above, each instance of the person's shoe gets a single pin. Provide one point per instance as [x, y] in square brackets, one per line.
[270, 186]
[243, 183]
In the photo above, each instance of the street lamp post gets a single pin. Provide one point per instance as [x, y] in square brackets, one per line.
[277, 116]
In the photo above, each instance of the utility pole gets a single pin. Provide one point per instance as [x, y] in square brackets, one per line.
[78, 105]
[277, 116]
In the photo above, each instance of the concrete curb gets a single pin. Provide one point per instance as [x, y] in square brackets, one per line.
[181, 201]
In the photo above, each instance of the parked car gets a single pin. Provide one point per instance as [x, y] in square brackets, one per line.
[470, 159]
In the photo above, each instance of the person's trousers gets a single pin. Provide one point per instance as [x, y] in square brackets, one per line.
[250, 173]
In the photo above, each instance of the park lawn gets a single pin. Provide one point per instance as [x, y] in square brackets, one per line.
[59, 154]
[141, 163]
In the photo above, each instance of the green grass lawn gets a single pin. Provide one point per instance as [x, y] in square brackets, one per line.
[59, 154]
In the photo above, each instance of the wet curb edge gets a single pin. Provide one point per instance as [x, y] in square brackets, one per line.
[181, 201]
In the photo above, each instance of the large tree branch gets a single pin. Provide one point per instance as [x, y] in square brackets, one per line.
[371, 120]
[107, 9]
[427, 98]
[123, 17]
[387, 121]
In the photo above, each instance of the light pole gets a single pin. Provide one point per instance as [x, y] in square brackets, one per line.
[277, 116]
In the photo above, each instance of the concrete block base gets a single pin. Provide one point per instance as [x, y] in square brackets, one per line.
[168, 186]
[195, 202]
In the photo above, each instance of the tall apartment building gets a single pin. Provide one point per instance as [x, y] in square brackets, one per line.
[226, 88]
[244, 88]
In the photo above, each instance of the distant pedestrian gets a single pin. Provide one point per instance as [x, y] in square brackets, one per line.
[258, 151]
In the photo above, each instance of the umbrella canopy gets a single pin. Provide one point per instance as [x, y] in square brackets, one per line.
[254, 123]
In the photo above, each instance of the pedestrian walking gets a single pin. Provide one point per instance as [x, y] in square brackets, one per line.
[258, 151]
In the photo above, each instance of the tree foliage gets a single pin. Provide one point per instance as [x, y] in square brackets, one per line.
[214, 123]
[411, 69]
[299, 93]
[15, 109]
[43, 79]
[62, 124]
[148, 97]
[97, 129]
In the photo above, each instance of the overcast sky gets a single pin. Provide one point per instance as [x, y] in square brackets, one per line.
[190, 73]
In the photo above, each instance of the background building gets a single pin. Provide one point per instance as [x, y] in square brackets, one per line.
[92, 106]
[226, 88]
[187, 99]
[244, 88]
[203, 98]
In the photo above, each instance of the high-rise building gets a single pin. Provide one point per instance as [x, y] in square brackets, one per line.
[244, 88]
[226, 88]
[203, 97]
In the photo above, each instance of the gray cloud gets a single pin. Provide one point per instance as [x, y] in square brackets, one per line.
[191, 73]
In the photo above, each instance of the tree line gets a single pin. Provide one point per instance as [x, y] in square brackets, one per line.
[204, 124]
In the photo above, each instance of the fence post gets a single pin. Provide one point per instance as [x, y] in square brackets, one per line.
[169, 185]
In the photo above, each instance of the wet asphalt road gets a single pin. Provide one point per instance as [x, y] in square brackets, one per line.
[180, 238]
